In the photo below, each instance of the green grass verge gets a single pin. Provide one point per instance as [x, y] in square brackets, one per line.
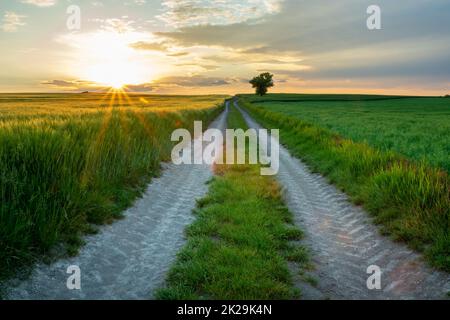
[410, 199]
[61, 171]
[240, 243]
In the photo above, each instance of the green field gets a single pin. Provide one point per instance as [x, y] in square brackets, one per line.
[390, 155]
[418, 128]
[68, 161]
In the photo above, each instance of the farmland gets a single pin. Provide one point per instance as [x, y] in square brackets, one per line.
[70, 161]
[418, 128]
[390, 154]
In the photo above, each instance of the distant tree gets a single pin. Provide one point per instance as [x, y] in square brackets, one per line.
[262, 83]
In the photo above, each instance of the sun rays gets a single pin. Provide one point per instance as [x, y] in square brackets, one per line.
[118, 99]
[117, 105]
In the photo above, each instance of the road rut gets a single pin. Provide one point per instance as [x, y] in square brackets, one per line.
[129, 259]
[344, 242]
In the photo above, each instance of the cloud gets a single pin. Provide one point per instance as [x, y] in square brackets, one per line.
[332, 38]
[195, 81]
[318, 26]
[239, 58]
[144, 87]
[60, 83]
[199, 65]
[260, 50]
[285, 69]
[178, 54]
[12, 21]
[73, 85]
[157, 46]
[235, 35]
[149, 46]
[165, 82]
[84, 85]
[209, 42]
[120, 25]
[41, 3]
[208, 67]
[182, 13]
[117, 25]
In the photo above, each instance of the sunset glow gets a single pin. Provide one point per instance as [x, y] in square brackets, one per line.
[106, 59]
[202, 46]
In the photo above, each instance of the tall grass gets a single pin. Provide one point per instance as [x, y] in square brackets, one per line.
[409, 198]
[62, 172]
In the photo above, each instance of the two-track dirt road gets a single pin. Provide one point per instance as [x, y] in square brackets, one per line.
[344, 242]
[130, 258]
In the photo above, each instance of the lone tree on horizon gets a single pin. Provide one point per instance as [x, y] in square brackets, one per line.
[262, 83]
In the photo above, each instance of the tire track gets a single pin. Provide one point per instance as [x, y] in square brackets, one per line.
[129, 258]
[344, 242]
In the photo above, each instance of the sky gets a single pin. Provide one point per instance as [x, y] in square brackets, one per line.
[217, 46]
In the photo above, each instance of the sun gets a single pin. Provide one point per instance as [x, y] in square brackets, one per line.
[115, 73]
[107, 59]
[117, 84]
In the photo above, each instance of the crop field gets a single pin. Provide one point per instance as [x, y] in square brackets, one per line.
[68, 161]
[418, 128]
[389, 154]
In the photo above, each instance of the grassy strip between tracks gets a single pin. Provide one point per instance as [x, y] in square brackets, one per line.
[409, 199]
[241, 242]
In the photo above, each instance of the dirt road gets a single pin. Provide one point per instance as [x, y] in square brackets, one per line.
[344, 242]
[130, 258]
